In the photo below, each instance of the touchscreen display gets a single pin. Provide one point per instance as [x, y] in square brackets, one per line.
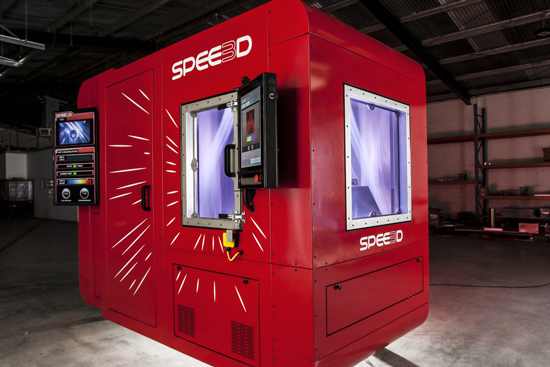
[251, 152]
[74, 132]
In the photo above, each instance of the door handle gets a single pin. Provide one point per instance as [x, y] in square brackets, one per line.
[145, 198]
[227, 160]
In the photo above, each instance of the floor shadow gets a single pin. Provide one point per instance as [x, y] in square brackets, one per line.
[393, 359]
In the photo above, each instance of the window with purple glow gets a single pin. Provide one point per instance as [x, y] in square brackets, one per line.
[377, 160]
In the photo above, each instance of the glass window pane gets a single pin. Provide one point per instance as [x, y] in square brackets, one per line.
[214, 190]
[378, 160]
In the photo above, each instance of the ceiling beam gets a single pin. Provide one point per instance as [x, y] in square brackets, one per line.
[51, 39]
[131, 17]
[423, 14]
[26, 87]
[508, 69]
[6, 4]
[392, 23]
[70, 14]
[504, 24]
[494, 89]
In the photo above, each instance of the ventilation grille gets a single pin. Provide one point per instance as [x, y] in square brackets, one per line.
[186, 320]
[242, 340]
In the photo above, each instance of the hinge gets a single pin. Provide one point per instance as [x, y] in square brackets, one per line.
[237, 218]
[233, 105]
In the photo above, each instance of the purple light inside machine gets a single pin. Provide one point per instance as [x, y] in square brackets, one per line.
[378, 160]
[214, 189]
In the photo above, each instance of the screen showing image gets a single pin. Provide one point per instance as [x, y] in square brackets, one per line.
[74, 132]
[251, 155]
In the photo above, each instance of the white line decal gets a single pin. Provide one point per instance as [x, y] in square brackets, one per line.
[171, 163]
[171, 192]
[145, 95]
[146, 153]
[131, 100]
[174, 203]
[179, 273]
[214, 291]
[176, 125]
[196, 244]
[202, 246]
[142, 281]
[221, 246]
[183, 281]
[212, 243]
[138, 137]
[139, 201]
[120, 146]
[128, 170]
[120, 271]
[258, 242]
[132, 268]
[173, 219]
[238, 294]
[134, 184]
[129, 233]
[174, 240]
[119, 196]
[134, 282]
[171, 141]
[148, 256]
[170, 171]
[197, 285]
[136, 239]
[257, 226]
[172, 149]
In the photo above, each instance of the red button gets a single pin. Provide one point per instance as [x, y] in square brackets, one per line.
[256, 178]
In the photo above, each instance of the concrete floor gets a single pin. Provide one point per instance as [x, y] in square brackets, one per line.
[44, 322]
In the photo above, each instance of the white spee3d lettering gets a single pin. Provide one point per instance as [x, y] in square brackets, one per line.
[215, 56]
[381, 239]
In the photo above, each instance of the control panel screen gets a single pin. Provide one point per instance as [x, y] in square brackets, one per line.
[74, 132]
[75, 158]
[251, 130]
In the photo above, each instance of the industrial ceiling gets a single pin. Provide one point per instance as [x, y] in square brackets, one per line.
[467, 47]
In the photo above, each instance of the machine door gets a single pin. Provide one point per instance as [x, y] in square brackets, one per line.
[129, 177]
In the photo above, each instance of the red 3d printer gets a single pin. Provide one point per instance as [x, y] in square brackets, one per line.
[255, 194]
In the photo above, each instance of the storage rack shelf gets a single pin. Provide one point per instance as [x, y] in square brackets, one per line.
[512, 197]
[515, 165]
[514, 134]
[451, 182]
[451, 139]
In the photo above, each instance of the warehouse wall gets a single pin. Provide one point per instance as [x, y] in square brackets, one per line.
[40, 167]
[520, 110]
[13, 164]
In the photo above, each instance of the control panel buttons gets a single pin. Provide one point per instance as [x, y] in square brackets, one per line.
[84, 193]
[66, 193]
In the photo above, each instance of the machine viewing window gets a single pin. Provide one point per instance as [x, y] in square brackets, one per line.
[209, 196]
[378, 168]
[74, 132]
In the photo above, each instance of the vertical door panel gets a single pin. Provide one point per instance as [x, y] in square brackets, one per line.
[129, 170]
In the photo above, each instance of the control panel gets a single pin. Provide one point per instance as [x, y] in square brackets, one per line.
[75, 157]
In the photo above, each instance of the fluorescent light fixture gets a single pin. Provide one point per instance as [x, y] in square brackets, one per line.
[21, 42]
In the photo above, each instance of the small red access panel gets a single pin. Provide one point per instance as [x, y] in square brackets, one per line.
[282, 140]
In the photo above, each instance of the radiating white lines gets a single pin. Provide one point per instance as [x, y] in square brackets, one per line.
[197, 285]
[257, 226]
[129, 261]
[171, 141]
[212, 243]
[134, 282]
[138, 237]
[170, 171]
[148, 256]
[172, 149]
[171, 192]
[129, 233]
[132, 268]
[183, 281]
[137, 137]
[174, 203]
[258, 242]
[120, 146]
[131, 100]
[145, 95]
[179, 273]
[146, 153]
[142, 281]
[173, 219]
[129, 170]
[238, 294]
[196, 244]
[139, 201]
[220, 240]
[214, 291]
[174, 240]
[202, 246]
[176, 125]
[119, 196]
[171, 163]
[130, 185]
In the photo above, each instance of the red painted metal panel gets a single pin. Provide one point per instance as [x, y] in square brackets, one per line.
[287, 19]
[281, 359]
[217, 311]
[371, 293]
[130, 242]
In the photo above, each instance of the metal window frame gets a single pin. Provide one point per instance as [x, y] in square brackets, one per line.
[391, 104]
[188, 138]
